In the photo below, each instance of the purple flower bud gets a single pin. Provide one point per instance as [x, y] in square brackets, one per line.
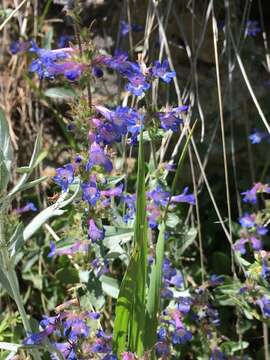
[128, 356]
[117, 191]
[184, 197]
[28, 207]
[97, 72]
[216, 280]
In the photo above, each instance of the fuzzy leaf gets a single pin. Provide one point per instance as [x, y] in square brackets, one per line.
[60, 93]
[5, 144]
[49, 212]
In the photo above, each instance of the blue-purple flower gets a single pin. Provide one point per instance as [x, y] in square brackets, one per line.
[250, 196]
[97, 156]
[265, 269]
[257, 136]
[30, 206]
[161, 70]
[18, 46]
[240, 244]
[64, 40]
[159, 196]
[264, 304]
[119, 62]
[54, 62]
[37, 338]
[217, 354]
[184, 303]
[75, 327]
[169, 121]
[247, 220]
[125, 28]
[64, 176]
[184, 197]
[252, 28]
[78, 246]
[94, 232]
[216, 280]
[91, 194]
[67, 350]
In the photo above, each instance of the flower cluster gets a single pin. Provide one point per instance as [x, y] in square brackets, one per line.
[74, 331]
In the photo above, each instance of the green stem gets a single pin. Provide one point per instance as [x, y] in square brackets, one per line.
[9, 270]
[265, 341]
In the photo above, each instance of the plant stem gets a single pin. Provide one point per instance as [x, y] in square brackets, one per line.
[265, 341]
[9, 270]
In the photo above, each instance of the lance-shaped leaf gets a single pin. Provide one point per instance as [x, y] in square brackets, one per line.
[129, 323]
[5, 283]
[137, 326]
[5, 152]
[35, 159]
[153, 300]
[4, 173]
[49, 212]
[5, 144]
[16, 240]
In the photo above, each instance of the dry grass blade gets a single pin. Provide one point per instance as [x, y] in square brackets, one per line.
[14, 12]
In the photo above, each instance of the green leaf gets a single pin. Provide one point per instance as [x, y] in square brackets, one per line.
[153, 301]
[187, 239]
[49, 212]
[60, 93]
[5, 143]
[33, 183]
[110, 286]
[124, 306]
[10, 346]
[32, 164]
[23, 170]
[137, 326]
[94, 294]
[231, 347]
[5, 283]
[130, 309]
[4, 173]
[16, 240]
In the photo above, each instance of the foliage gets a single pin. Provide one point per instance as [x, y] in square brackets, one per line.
[105, 253]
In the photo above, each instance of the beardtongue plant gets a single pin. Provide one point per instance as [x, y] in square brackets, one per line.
[103, 200]
[155, 313]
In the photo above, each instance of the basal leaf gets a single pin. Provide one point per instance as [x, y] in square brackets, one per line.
[129, 323]
[153, 300]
